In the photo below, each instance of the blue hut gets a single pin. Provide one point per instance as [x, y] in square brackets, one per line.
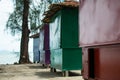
[36, 52]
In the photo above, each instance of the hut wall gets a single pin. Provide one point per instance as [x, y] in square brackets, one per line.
[65, 53]
[36, 52]
[99, 22]
[44, 45]
[99, 35]
[102, 63]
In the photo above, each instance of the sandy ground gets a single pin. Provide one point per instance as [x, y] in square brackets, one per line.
[34, 72]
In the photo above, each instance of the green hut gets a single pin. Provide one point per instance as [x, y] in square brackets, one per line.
[63, 23]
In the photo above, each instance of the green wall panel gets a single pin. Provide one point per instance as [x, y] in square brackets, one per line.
[56, 58]
[72, 59]
[69, 28]
[66, 59]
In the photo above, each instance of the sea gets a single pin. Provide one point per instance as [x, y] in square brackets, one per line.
[11, 57]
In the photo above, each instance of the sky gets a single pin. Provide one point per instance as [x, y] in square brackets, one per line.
[7, 41]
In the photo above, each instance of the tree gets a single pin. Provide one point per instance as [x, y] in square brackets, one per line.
[25, 19]
[24, 57]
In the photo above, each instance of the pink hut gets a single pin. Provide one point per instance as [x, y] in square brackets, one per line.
[99, 38]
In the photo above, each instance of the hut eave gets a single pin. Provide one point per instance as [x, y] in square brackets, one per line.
[54, 8]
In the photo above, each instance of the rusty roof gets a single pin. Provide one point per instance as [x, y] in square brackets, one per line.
[54, 8]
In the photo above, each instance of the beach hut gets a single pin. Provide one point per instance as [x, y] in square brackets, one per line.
[44, 45]
[100, 38]
[64, 45]
[36, 52]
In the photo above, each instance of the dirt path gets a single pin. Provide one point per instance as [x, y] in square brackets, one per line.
[33, 72]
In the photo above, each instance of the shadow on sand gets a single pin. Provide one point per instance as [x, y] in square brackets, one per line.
[36, 67]
[47, 74]
[55, 74]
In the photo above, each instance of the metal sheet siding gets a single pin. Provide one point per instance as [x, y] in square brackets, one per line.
[41, 44]
[99, 22]
[66, 59]
[36, 53]
[72, 59]
[55, 31]
[107, 66]
[69, 28]
[42, 56]
[47, 57]
[56, 58]
[46, 37]
[106, 63]
[44, 45]
[85, 63]
[65, 53]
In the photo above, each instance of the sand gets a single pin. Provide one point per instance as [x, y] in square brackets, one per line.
[34, 72]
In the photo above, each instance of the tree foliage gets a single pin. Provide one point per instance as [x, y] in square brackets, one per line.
[36, 10]
[14, 23]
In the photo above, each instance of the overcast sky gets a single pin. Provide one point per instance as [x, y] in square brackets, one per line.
[8, 42]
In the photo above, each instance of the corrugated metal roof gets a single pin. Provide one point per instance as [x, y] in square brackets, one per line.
[35, 35]
[54, 8]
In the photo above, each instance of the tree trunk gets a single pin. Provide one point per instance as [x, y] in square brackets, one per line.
[24, 55]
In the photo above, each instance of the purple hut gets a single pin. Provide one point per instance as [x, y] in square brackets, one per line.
[44, 45]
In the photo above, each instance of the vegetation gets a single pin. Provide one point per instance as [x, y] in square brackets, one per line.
[25, 19]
